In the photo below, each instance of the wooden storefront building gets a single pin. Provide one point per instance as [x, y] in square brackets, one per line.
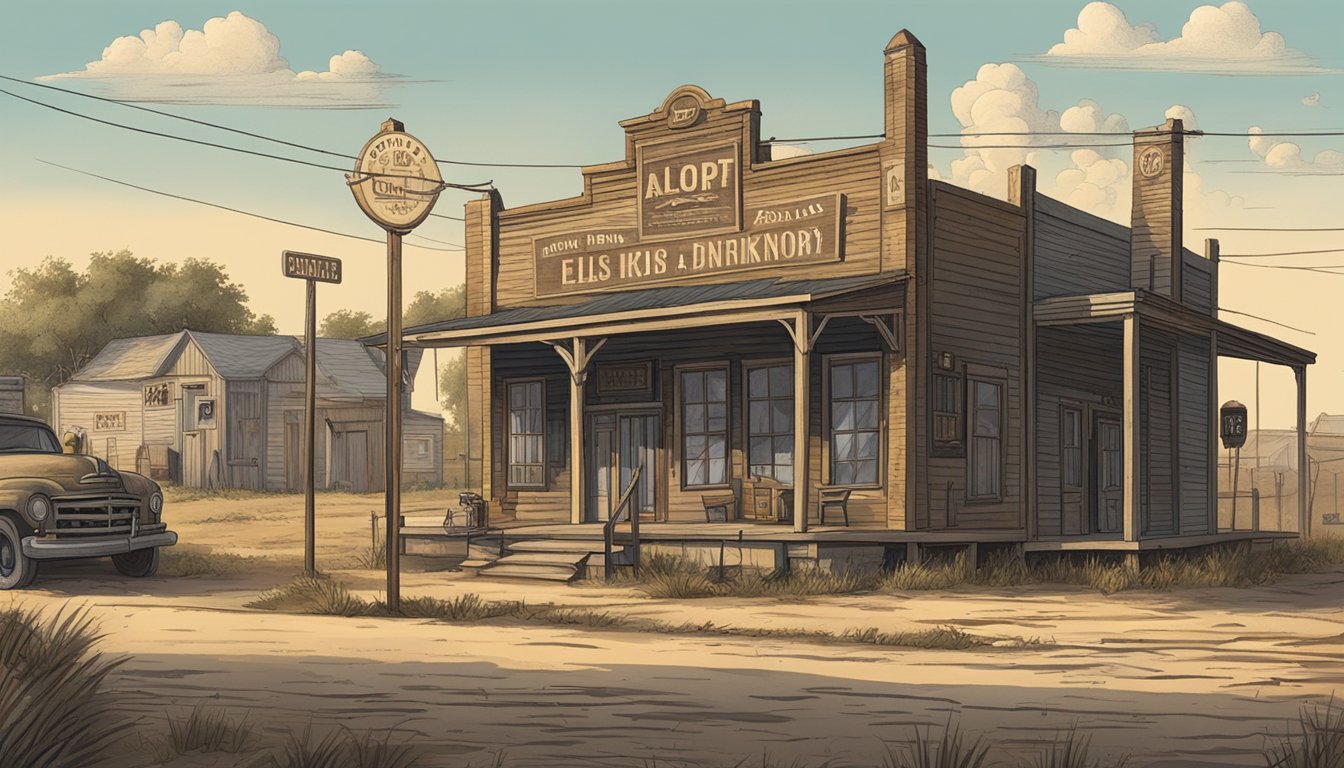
[942, 366]
[209, 410]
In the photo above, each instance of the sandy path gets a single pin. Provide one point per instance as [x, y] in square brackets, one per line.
[1187, 678]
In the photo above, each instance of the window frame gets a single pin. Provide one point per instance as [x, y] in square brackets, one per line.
[997, 378]
[883, 393]
[954, 448]
[427, 442]
[747, 367]
[509, 435]
[680, 420]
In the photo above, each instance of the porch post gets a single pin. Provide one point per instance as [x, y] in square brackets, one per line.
[1132, 404]
[1303, 461]
[578, 376]
[802, 377]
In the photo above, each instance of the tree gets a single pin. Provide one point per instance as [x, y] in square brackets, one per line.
[54, 319]
[348, 324]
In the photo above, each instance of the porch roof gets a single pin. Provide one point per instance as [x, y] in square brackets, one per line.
[1233, 340]
[655, 309]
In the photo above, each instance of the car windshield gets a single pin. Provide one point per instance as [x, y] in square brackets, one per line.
[27, 438]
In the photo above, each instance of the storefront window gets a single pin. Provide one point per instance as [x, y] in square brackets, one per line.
[856, 433]
[704, 427]
[527, 439]
[770, 421]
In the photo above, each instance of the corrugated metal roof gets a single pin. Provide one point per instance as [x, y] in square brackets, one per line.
[653, 298]
[243, 357]
[143, 357]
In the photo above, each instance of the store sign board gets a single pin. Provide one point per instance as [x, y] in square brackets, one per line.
[801, 232]
[688, 192]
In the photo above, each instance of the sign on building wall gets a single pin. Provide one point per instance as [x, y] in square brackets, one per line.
[157, 395]
[689, 192]
[625, 378]
[109, 421]
[205, 413]
[783, 234]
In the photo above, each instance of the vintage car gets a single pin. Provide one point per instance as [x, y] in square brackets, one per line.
[58, 506]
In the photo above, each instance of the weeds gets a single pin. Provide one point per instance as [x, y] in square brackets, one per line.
[372, 559]
[1072, 750]
[1319, 742]
[313, 594]
[194, 562]
[208, 729]
[54, 708]
[341, 748]
[950, 750]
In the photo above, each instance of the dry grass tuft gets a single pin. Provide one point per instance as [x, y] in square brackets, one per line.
[54, 708]
[209, 729]
[313, 594]
[342, 748]
[1319, 742]
[179, 561]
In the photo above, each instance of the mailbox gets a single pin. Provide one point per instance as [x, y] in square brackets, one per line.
[1232, 424]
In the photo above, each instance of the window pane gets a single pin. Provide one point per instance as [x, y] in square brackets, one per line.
[695, 447]
[693, 387]
[986, 394]
[784, 473]
[781, 380]
[758, 382]
[844, 446]
[865, 379]
[782, 421]
[865, 446]
[842, 416]
[717, 386]
[758, 416]
[695, 472]
[986, 422]
[759, 450]
[717, 446]
[718, 417]
[844, 473]
[782, 450]
[866, 473]
[534, 394]
[842, 381]
[718, 471]
[695, 419]
[865, 414]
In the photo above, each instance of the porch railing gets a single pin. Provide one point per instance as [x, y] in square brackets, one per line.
[624, 508]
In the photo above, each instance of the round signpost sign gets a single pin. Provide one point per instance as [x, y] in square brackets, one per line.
[396, 181]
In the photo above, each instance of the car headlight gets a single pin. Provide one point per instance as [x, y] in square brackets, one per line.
[39, 507]
[156, 504]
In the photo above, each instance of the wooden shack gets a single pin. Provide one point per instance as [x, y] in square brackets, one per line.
[833, 353]
[221, 411]
[11, 394]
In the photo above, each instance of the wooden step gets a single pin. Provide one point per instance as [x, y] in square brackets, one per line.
[555, 545]
[531, 571]
[475, 565]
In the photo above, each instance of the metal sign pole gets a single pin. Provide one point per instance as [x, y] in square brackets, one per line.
[310, 433]
[392, 450]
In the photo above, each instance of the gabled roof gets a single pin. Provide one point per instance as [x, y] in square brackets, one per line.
[352, 369]
[1327, 424]
[148, 357]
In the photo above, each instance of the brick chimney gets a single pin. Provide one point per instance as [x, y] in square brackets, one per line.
[1155, 245]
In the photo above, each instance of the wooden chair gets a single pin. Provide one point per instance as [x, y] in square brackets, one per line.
[828, 496]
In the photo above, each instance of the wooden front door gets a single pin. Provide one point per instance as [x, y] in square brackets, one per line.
[294, 450]
[618, 442]
[1072, 472]
[1108, 473]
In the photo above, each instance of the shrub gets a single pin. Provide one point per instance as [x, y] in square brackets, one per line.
[312, 594]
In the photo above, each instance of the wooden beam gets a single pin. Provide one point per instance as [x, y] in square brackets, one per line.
[523, 333]
[802, 378]
[1303, 460]
[1132, 404]
[888, 336]
[577, 477]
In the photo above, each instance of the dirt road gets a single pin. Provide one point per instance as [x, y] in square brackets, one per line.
[1183, 678]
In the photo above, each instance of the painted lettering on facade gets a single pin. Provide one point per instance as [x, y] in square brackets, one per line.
[689, 192]
[802, 232]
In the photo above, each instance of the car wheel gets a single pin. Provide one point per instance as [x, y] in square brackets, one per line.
[17, 570]
[140, 564]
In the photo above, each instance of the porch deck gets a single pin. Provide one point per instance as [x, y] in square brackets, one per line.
[755, 532]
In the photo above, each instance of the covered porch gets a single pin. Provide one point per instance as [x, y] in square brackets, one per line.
[1150, 453]
[714, 392]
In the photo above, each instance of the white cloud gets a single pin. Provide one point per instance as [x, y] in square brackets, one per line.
[1286, 156]
[1224, 39]
[1314, 100]
[1090, 172]
[230, 60]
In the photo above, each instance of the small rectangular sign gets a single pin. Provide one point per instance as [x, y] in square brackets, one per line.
[310, 266]
[625, 378]
[113, 421]
[688, 193]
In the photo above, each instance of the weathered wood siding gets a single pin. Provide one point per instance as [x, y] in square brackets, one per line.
[1078, 253]
[977, 313]
[244, 441]
[1081, 367]
[1157, 436]
[1197, 282]
[76, 404]
[1195, 402]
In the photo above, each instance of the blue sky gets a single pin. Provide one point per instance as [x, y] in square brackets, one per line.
[548, 81]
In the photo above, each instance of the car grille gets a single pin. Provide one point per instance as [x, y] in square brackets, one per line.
[103, 516]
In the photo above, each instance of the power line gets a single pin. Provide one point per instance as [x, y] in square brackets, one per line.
[236, 210]
[262, 137]
[1265, 319]
[975, 134]
[1064, 145]
[1323, 269]
[201, 142]
[1279, 253]
[1269, 229]
[446, 216]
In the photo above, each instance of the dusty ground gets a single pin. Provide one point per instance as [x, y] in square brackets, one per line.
[1183, 678]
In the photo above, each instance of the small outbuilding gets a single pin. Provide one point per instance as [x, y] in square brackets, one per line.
[210, 410]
